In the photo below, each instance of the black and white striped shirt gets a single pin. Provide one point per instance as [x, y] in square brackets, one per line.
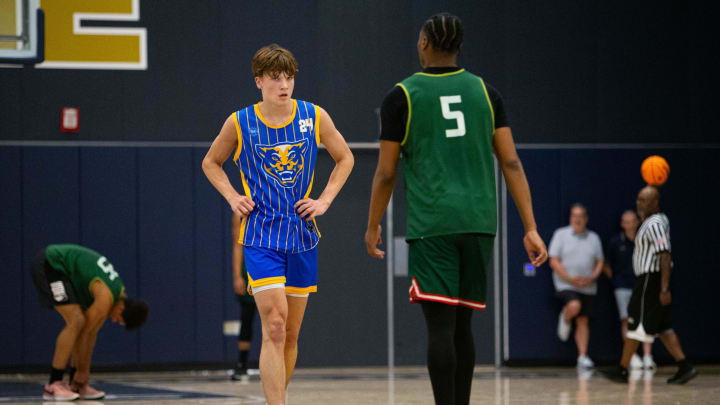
[652, 238]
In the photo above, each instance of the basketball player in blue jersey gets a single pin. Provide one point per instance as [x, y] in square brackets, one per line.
[275, 146]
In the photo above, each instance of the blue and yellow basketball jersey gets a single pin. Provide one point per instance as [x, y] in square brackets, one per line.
[277, 165]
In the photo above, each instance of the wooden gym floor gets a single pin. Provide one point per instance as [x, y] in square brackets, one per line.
[361, 386]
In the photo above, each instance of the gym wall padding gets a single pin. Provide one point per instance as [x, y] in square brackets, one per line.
[606, 181]
[153, 213]
[108, 218]
[51, 212]
[166, 230]
[11, 257]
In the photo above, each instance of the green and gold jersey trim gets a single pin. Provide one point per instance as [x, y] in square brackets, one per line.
[409, 105]
[457, 72]
[487, 96]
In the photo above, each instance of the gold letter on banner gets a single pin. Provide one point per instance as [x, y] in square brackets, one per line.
[70, 45]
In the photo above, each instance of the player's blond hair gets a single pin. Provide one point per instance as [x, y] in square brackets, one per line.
[273, 59]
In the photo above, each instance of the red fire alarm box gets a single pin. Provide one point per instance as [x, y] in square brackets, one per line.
[70, 119]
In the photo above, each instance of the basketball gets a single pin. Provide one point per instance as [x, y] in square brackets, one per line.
[655, 170]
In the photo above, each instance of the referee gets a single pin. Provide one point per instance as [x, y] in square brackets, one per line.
[649, 308]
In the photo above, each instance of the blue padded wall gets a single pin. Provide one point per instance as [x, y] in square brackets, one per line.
[11, 257]
[152, 212]
[166, 256]
[108, 224]
[51, 205]
[210, 249]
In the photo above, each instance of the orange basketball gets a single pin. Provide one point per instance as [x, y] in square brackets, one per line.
[655, 170]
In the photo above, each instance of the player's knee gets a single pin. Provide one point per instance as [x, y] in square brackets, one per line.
[276, 330]
[573, 308]
[76, 322]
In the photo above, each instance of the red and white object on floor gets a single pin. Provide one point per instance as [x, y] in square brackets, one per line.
[70, 119]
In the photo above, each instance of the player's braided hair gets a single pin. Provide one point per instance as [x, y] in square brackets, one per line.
[445, 32]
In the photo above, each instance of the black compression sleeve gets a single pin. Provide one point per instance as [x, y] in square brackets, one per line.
[501, 119]
[394, 111]
[393, 115]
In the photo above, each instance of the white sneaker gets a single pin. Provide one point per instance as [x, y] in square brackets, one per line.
[636, 374]
[648, 363]
[563, 329]
[584, 373]
[635, 362]
[584, 361]
[88, 392]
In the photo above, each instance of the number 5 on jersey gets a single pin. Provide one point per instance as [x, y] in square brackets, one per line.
[458, 116]
[107, 268]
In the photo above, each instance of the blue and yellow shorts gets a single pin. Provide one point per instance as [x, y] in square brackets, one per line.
[267, 268]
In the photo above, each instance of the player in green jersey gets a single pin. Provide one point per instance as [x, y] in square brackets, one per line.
[83, 286]
[445, 123]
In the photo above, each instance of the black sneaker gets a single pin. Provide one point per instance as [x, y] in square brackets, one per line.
[618, 374]
[239, 374]
[683, 375]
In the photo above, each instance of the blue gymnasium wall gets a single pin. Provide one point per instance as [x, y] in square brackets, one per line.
[153, 213]
[607, 181]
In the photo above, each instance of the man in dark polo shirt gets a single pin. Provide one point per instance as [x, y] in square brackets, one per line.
[619, 268]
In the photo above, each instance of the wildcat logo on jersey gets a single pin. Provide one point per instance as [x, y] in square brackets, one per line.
[283, 162]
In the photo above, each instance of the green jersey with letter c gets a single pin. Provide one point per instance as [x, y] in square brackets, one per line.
[448, 156]
[83, 266]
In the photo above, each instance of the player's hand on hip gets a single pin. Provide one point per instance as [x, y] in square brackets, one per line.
[535, 247]
[308, 208]
[665, 298]
[241, 205]
[373, 238]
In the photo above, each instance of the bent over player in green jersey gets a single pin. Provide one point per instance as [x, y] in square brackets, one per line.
[83, 286]
[447, 122]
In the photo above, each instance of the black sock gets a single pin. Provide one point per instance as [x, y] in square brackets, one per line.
[71, 372]
[56, 374]
[684, 364]
[243, 359]
[465, 356]
[441, 354]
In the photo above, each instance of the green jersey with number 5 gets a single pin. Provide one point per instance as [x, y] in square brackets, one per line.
[83, 266]
[447, 155]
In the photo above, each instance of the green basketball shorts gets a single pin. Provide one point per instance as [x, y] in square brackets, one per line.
[451, 269]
